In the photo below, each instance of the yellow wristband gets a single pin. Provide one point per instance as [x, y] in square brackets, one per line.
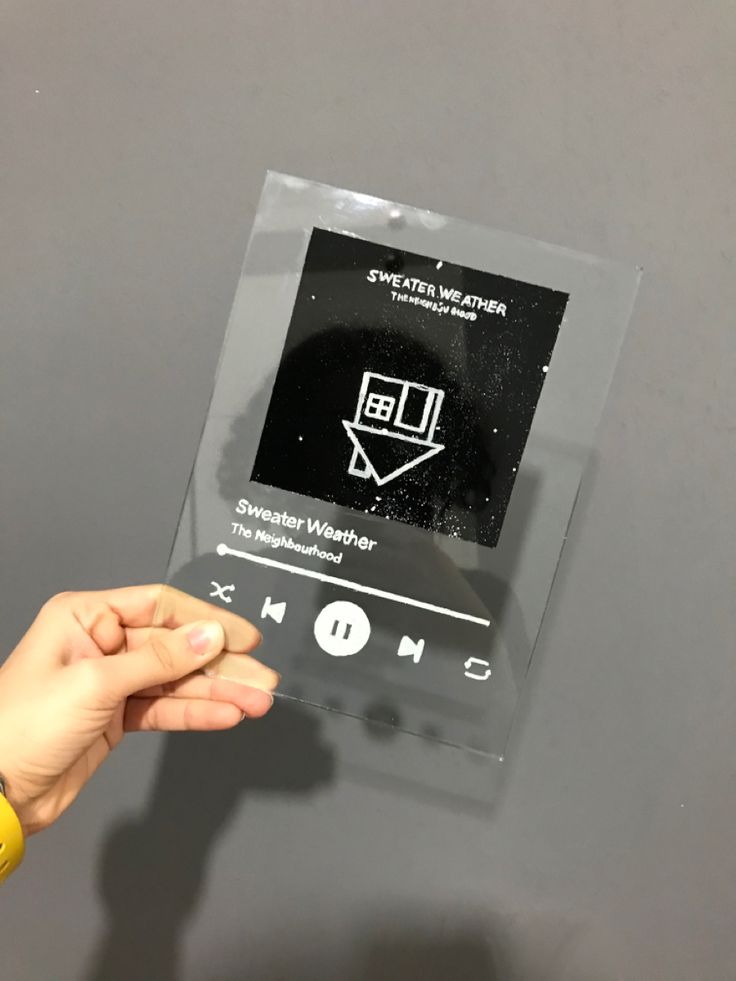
[12, 844]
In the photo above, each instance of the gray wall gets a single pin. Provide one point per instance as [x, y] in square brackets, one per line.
[301, 847]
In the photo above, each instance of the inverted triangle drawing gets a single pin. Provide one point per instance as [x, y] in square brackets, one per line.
[394, 425]
[384, 455]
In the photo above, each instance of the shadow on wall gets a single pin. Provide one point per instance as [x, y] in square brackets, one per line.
[153, 868]
[440, 944]
[417, 951]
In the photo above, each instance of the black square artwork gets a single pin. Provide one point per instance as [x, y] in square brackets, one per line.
[407, 386]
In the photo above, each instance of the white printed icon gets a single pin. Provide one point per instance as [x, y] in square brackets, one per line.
[273, 610]
[342, 629]
[411, 648]
[221, 592]
[477, 675]
[394, 426]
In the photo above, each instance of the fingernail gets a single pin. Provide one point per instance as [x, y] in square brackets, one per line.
[205, 638]
[258, 703]
[243, 669]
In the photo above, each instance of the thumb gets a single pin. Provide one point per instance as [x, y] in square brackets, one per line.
[166, 656]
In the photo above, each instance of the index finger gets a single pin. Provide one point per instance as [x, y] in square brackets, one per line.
[160, 605]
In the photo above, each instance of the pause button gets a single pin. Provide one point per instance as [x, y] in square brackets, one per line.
[342, 629]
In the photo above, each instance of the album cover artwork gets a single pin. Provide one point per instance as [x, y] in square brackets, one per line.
[407, 386]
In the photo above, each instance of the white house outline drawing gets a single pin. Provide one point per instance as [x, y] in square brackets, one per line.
[379, 408]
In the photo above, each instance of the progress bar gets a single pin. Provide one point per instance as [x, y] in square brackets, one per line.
[347, 584]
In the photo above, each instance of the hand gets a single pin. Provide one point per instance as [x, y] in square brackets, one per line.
[96, 665]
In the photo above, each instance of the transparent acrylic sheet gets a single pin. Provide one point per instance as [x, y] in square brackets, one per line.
[402, 412]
